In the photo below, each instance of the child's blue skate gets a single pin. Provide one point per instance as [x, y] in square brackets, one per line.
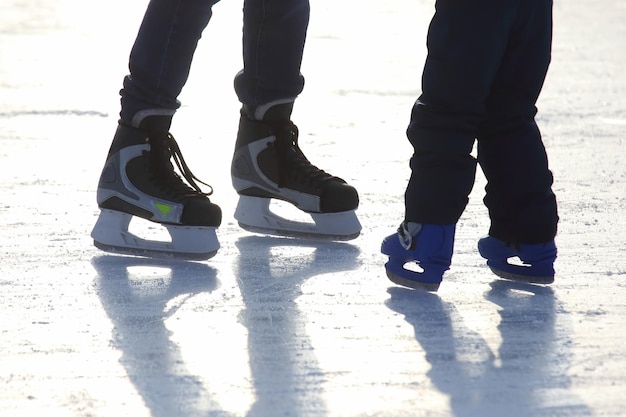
[537, 260]
[429, 246]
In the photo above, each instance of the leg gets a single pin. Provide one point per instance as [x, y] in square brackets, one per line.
[161, 57]
[274, 34]
[268, 163]
[511, 153]
[138, 179]
[519, 195]
[466, 42]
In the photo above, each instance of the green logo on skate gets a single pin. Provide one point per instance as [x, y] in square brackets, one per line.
[163, 208]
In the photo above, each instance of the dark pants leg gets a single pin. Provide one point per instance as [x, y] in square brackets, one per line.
[481, 80]
[273, 42]
[274, 34]
[519, 196]
[161, 57]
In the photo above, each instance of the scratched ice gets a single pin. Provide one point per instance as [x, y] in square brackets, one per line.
[280, 327]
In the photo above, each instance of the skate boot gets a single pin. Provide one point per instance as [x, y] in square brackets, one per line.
[537, 260]
[138, 179]
[268, 164]
[427, 247]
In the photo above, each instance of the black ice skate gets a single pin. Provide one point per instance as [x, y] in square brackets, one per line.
[138, 179]
[268, 164]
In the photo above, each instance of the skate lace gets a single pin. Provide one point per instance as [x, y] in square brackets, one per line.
[292, 162]
[163, 149]
[405, 237]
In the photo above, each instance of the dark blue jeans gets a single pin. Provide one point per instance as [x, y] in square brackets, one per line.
[274, 32]
[486, 64]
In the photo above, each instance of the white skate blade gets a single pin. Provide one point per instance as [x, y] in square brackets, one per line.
[254, 214]
[187, 242]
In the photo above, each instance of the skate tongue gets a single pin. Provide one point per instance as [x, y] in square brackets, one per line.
[271, 112]
[156, 124]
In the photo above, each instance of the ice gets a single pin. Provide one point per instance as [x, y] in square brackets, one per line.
[284, 327]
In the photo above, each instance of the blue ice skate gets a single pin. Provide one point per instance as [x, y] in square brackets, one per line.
[427, 246]
[537, 260]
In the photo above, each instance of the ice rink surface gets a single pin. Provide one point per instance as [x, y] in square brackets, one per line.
[281, 327]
